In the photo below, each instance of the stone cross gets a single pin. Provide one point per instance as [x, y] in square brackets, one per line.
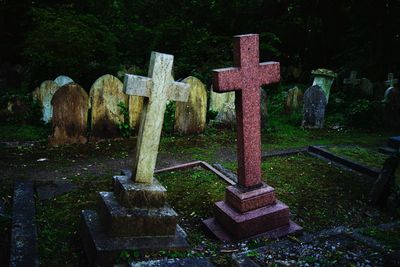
[391, 82]
[158, 88]
[352, 80]
[245, 79]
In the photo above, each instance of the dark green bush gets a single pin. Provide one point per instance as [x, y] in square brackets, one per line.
[365, 113]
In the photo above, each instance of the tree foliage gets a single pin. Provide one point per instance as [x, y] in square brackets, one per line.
[83, 38]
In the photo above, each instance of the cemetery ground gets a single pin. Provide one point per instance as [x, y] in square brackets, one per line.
[322, 196]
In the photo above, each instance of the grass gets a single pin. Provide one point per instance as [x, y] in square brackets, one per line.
[23, 132]
[364, 155]
[389, 237]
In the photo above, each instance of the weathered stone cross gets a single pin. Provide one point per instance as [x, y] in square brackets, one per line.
[158, 88]
[245, 79]
[352, 80]
[391, 82]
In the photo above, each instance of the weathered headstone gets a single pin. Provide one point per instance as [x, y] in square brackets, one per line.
[250, 208]
[135, 109]
[392, 107]
[63, 80]
[224, 105]
[105, 95]
[136, 216]
[324, 78]
[367, 87]
[159, 89]
[314, 105]
[190, 116]
[44, 93]
[294, 99]
[70, 114]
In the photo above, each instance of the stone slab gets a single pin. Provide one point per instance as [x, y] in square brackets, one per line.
[102, 249]
[219, 231]
[196, 262]
[394, 142]
[24, 249]
[243, 199]
[136, 195]
[121, 221]
[254, 222]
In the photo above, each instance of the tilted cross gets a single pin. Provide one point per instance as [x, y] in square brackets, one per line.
[245, 79]
[352, 79]
[159, 87]
[391, 82]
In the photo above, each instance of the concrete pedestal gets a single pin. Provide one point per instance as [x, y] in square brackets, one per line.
[249, 213]
[134, 217]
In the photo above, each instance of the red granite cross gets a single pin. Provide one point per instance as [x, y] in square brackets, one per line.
[245, 79]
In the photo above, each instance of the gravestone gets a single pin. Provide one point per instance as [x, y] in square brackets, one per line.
[324, 78]
[224, 105]
[391, 81]
[250, 208]
[135, 109]
[367, 87]
[314, 105]
[63, 80]
[190, 116]
[392, 107]
[352, 80]
[70, 114]
[44, 93]
[135, 216]
[105, 95]
[294, 99]
[364, 84]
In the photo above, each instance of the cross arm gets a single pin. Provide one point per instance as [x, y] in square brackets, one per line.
[269, 72]
[227, 79]
[137, 85]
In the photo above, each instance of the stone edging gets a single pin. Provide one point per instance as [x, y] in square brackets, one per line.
[372, 172]
[24, 249]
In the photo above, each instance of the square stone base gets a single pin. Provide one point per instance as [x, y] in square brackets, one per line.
[138, 195]
[219, 232]
[250, 199]
[230, 224]
[122, 221]
[103, 250]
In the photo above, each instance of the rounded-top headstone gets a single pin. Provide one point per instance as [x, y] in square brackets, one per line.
[63, 80]
[135, 109]
[70, 114]
[314, 104]
[105, 95]
[44, 93]
[190, 116]
[224, 105]
[294, 99]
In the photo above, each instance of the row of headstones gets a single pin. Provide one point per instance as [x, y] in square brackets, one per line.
[66, 105]
[316, 97]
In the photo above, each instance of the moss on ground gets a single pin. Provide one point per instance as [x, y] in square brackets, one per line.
[364, 155]
[388, 237]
